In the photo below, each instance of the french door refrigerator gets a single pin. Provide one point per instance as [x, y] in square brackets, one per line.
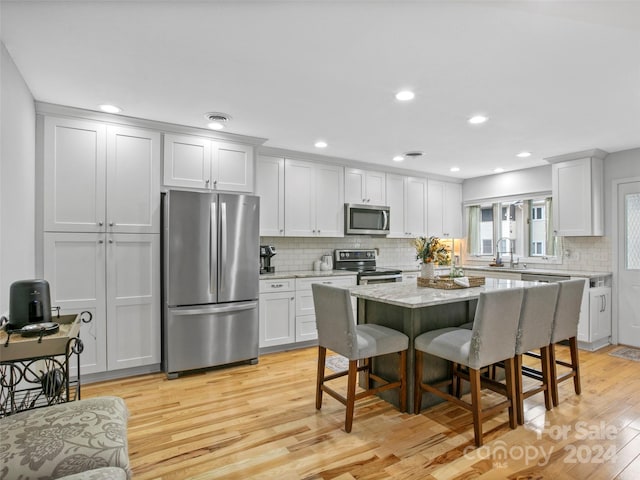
[211, 267]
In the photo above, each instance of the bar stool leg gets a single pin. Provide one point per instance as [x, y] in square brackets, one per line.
[519, 395]
[575, 365]
[322, 355]
[511, 390]
[553, 375]
[546, 376]
[417, 389]
[351, 394]
[476, 405]
[403, 379]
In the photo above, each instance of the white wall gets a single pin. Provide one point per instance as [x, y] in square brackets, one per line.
[530, 180]
[17, 178]
[618, 165]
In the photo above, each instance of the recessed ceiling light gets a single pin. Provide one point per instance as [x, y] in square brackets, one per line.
[477, 119]
[215, 125]
[499, 170]
[454, 169]
[398, 158]
[405, 95]
[524, 154]
[110, 108]
[320, 144]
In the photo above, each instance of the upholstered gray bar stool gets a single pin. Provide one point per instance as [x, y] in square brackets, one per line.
[492, 340]
[534, 332]
[565, 327]
[337, 331]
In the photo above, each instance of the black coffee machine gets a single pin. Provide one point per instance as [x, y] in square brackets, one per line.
[266, 252]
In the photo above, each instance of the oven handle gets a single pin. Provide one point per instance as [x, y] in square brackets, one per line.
[391, 278]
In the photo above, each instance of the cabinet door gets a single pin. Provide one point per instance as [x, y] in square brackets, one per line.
[74, 266]
[435, 208]
[74, 175]
[600, 313]
[133, 300]
[395, 186]
[133, 180]
[415, 206]
[375, 187]
[329, 200]
[277, 319]
[299, 199]
[270, 188]
[232, 167]
[452, 210]
[187, 161]
[577, 197]
[354, 186]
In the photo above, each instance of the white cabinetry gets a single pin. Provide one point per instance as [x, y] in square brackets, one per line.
[116, 278]
[577, 187]
[407, 200]
[314, 199]
[364, 186]
[306, 328]
[277, 312]
[497, 273]
[594, 329]
[270, 188]
[197, 162]
[444, 209]
[100, 178]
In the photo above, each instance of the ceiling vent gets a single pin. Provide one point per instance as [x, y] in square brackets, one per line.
[217, 117]
[414, 154]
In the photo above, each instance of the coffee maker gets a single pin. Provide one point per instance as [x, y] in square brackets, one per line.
[266, 252]
[29, 302]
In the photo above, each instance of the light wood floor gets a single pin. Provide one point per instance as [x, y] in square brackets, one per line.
[260, 422]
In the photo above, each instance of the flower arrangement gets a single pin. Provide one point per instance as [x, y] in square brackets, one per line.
[431, 250]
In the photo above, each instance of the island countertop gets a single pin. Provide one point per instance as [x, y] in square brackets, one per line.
[410, 295]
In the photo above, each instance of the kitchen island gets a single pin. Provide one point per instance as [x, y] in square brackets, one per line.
[413, 310]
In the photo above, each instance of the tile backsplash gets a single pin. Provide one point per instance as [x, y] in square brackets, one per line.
[299, 253]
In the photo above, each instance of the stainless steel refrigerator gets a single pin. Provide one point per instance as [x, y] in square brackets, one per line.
[211, 267]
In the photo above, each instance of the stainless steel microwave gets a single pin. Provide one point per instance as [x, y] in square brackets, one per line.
[366, 219]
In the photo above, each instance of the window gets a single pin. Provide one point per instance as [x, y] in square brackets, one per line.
[523, 226]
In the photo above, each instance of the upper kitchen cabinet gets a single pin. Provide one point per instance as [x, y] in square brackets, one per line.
[577, 185]
[314, 199]
[100, 177]
[270, 188]
[197, 162]
[444, 209]
[406, 198]
[364, 186]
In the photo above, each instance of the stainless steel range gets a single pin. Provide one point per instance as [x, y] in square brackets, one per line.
[364, 262]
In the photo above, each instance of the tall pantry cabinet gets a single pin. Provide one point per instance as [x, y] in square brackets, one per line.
[101, 242]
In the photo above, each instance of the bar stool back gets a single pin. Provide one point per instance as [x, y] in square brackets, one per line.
[565, 327]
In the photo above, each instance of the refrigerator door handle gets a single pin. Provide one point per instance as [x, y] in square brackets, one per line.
[213, 247]
[223, 243]
[236, 307]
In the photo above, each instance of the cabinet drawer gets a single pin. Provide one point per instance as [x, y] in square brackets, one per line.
[280, 285]
[306, 328]
[305, 283]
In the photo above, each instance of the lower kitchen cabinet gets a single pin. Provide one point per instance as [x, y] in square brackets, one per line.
[277, 312]
[287, 313]
[306, 328]
[594, 329]
[116, 277]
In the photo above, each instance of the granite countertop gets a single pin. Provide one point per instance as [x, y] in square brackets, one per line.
[306, 273]
[542, 271]
[410, 295]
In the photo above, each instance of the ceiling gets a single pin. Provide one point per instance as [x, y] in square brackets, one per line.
[554, 77]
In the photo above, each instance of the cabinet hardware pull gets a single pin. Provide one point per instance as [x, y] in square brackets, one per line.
[110, 240]
[277, 285]
[327, 283]
[100, 241]
[100, 223]
[111, 224]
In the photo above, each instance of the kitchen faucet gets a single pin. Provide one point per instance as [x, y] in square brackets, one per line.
[511, 251]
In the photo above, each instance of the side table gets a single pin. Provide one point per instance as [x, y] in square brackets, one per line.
[34, 370]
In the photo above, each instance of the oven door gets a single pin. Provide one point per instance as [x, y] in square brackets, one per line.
[382, 278]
